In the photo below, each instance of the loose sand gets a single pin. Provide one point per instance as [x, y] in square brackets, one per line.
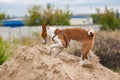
[34, 63]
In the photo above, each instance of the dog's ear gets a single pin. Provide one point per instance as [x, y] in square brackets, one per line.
[43, 27]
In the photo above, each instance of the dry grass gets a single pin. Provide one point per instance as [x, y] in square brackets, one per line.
[107, 47]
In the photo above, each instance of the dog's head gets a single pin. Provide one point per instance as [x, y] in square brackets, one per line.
[45, 35]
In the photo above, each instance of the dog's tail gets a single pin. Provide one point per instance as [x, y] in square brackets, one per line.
[91, 32]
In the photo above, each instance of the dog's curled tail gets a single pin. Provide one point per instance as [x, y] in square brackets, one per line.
[91, 32]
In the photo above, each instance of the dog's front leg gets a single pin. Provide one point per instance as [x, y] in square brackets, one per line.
[56, 45]
[57, 52]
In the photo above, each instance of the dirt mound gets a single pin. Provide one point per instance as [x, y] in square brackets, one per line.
[34, 63]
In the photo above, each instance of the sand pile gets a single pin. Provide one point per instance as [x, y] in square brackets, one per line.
[34, 63]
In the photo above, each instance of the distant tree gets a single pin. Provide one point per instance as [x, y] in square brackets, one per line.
[34, 16]
[56, 16]
[49, 15]
[95, 18]
[2, 16]
[62, 17]
[108, 19]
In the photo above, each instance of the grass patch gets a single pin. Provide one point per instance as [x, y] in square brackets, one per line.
[4, 51]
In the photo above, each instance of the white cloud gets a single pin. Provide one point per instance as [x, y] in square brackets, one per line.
[7, 1]
[15, 7]
[57, 2]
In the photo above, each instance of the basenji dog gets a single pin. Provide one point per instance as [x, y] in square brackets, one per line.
[63, 37]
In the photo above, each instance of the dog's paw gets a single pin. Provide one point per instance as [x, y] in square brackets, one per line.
[82, 62]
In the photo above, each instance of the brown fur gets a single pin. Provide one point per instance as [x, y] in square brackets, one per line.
[77, 34]
[44, 32]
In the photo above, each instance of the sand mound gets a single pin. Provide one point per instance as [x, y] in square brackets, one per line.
[34, 63]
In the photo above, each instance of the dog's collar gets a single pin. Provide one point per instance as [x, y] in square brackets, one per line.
[62, 32]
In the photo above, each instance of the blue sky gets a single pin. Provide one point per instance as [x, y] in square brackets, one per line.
[19, 7]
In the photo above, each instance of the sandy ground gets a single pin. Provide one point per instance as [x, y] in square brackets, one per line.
[34, 63]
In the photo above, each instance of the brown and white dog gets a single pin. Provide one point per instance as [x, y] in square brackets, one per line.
[62, 39]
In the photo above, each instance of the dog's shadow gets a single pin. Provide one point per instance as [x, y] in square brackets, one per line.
[88, 65]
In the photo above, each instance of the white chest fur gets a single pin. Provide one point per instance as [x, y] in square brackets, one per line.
[51, 31]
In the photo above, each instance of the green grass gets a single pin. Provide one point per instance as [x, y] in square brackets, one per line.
[6, 49]
[3, 51]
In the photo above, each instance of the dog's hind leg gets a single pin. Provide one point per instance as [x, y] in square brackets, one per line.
[85, 50]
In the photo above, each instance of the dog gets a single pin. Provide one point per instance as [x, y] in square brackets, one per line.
[63, 37]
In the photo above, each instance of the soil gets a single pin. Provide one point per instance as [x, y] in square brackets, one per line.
[35, 63]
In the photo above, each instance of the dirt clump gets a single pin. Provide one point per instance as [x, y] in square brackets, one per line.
[34, 63]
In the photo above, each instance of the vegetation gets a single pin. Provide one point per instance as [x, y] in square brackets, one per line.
[49, 15]
[108, 19]
[34, 16]
[2, 16]
[30, 41]
[7, 48]
[3, 50]
[107, 47]
[95, 18]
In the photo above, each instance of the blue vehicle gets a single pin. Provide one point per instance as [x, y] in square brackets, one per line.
[13, 23]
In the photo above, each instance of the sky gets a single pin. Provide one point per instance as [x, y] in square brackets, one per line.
[19, 8]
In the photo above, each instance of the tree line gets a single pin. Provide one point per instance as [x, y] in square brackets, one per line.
[2, 16]
[50, 16]
[109, 19]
